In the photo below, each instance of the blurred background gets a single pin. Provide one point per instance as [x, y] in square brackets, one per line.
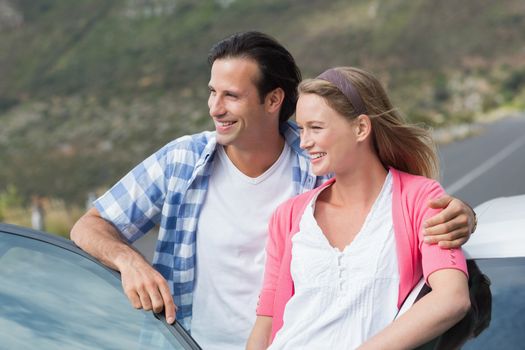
[89, 88]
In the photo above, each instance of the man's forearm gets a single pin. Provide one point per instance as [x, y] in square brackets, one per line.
[99, 238]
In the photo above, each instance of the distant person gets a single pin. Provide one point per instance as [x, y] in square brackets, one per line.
[342, 258]
[37, 214]
[212, 194]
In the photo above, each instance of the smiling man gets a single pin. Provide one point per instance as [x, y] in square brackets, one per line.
[212, 194]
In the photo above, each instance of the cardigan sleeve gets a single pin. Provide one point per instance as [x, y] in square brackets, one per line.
[433, 257]
[277, 230]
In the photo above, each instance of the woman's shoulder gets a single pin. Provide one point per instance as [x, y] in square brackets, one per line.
[415, 186]
[413, 181]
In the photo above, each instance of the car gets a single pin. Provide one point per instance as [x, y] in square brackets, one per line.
[55, 296]
[496, 261]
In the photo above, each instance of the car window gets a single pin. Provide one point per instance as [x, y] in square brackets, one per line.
[497, 317]
[52, 298]
[507, 325]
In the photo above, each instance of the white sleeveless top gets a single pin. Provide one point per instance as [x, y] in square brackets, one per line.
[343, 297]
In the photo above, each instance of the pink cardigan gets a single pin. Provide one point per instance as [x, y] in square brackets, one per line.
[416, 258]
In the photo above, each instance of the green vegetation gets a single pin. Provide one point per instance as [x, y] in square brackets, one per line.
[91, 87]
[59, 217]
[9, 199]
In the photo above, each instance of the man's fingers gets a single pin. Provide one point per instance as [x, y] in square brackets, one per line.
[452, 208]
[157, 302]
[457, 243]
[435, 220]
[449, 226]
[454, 211]
[134, 299]
[446, 216]
[460, 233]
[169, 305]
[448, 220]
[441, 202]
[145, 299]
[147, 289]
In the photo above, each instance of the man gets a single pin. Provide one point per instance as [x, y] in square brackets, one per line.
[212, 194]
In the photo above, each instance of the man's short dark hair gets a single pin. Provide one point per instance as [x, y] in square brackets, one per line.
[277, 66]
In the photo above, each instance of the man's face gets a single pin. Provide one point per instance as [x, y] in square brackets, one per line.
[240, 117]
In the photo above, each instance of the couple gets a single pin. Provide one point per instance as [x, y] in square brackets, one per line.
[213, 194]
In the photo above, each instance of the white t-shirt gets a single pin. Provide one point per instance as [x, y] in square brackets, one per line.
[343, 297]
[231, 241]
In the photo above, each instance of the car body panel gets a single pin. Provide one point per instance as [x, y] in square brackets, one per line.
[501, 229]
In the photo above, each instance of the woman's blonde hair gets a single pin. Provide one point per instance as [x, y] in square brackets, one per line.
[406, 147]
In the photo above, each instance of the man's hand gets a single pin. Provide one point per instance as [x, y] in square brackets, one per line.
[451, 228]
[146, 288]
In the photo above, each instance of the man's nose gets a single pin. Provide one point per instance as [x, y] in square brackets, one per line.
[216, 107]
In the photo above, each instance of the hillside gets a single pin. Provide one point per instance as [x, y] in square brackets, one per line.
[90, 87]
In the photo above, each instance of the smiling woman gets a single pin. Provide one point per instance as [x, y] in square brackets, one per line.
[342, 258]
[53, 296]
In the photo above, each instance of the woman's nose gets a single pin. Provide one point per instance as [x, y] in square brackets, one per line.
[306, 142]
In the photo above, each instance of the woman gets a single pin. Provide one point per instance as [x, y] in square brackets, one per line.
[342, 258]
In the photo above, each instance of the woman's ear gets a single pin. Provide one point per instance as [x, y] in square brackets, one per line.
[274, 100]
[363, 127]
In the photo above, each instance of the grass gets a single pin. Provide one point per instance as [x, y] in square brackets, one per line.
[59, 218]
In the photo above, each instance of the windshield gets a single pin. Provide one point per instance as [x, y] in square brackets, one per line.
[52, 298]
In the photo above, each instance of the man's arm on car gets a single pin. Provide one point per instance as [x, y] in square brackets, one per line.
[144, 286]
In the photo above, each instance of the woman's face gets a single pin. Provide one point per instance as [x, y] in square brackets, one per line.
[326, 135]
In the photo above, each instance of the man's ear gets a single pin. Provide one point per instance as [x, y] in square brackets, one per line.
[274, 100]
[362, 127]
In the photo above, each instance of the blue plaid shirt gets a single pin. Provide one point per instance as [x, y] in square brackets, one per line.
[169, 188]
